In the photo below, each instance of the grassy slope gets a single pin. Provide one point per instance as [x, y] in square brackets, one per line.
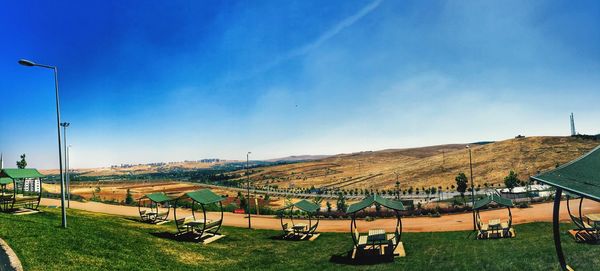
[104, 242]
[429, 166]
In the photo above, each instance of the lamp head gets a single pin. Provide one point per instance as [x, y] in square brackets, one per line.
[26, 62]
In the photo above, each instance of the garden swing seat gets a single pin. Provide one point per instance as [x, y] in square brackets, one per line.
[580, 178]
[155, 214]
[377, 240]
[495, 228]
[204, 229]
[300, 231]
[26, 190]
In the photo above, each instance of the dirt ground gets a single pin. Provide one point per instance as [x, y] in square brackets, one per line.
[537, 213]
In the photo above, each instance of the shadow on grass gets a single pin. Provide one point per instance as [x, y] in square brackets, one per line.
[135, 219]
[362, 258]
[184, 237]
[284, 237]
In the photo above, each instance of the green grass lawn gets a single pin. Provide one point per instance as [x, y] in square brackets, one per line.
[104, 242]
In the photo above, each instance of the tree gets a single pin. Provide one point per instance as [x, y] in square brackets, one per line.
[243, 203]
[317, 201]
[22, 163]
[461, 185]
[511, 181]
[341, 203]
[129, 197]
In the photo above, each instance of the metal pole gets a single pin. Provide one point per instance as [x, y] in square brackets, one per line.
[29, 63]
[472, 189]
[65, 148]
[68, 176]
[60, 161]
[556, 229]
[248, 188]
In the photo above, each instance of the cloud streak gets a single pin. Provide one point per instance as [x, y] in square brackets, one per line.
[327, 35]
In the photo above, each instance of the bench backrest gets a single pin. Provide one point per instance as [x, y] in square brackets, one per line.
[184, 220]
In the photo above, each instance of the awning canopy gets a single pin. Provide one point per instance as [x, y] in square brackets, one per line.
[370, 200]
[21, 173]
[304, 205]
[204, 196]
[5, 181]
[157, 197]
[580, 176]
[493, 198]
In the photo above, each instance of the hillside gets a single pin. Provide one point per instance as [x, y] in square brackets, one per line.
[428, 166]
[139, 169]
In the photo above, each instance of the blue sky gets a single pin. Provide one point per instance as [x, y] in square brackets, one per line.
[196, 79]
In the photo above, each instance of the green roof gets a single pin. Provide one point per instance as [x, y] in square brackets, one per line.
[157, 197]
[580, 176]
[4, 181]
[17, 173]
[370, 200]
[493, 198]
[204, 196]
[304, 205]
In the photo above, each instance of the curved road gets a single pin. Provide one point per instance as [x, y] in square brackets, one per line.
[456, 222]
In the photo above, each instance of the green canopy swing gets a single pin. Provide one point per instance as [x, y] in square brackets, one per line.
[300, 230]
[580, 177]
[495, 228]
[26, 186]
[149, 207]
[377, 238]
[203, 229]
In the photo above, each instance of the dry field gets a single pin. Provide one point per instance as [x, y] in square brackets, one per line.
[428, 166]
[118, 190]
[138, 169]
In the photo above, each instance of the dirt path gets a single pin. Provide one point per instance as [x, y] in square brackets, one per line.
[537, 213]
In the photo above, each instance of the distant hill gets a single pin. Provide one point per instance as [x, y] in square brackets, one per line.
[428, 166]
[298, 158]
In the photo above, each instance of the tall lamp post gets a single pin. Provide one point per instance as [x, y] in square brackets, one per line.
[248, 188]
[64, 125]
[29, 63]
[472, 187]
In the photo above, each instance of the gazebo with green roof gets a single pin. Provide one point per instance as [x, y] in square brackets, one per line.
[204, 229]
[377, 239]
[580, 177]
[149, 207]
[300, 230]
[498, 228]
[26, 185]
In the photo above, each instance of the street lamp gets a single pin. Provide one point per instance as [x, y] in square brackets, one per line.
[64, 125]
[248, 188]
[472, 187]
[29, 63]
